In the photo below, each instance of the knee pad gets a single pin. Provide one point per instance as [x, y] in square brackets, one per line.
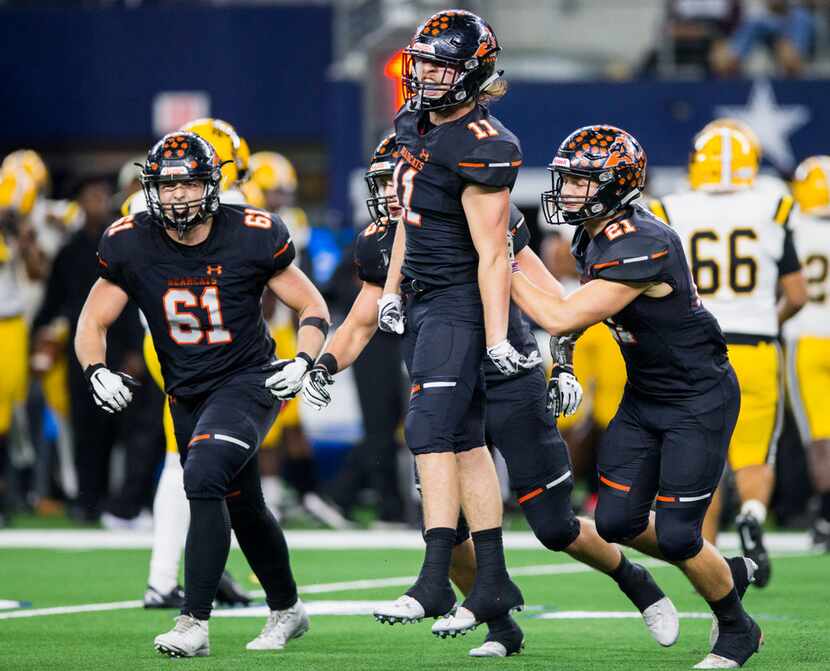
[679, 531]
[615, 521]
[206, 473]
[550, 515]
[444, 415]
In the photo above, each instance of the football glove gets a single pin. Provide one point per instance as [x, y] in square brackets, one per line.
[315, 393]
[110, 391]
[390, 314]
[508, 360]
[287, 378]
[564, 392]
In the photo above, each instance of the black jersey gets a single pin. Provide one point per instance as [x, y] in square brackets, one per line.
[373, 250]
[201, 302]
[672, 346]
[435, 165]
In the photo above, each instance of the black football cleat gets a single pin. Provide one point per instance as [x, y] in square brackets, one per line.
[752, 543]
[230, 592]
[155, 599]
[478, 607]
[502, 642]
[734, 648]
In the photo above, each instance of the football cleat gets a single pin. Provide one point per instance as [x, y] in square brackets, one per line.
[662, 622]
[189, 638]
[733, 649]
[751, 536]
[478, 607]
[230, 593]
[281, 627]
[405, 610]
[495, 649]
[325, 512]
[820, 535]
[155, 599]
[743, 573]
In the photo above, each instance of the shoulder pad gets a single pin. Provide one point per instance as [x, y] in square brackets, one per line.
[632, 255]
[518, 229]
[492, 162]
[270, 234]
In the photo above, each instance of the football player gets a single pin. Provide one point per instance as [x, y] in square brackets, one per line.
[668, 441]
[197, 269]
[457, 166]
[519, 421]
[740, 249]
[808, 333]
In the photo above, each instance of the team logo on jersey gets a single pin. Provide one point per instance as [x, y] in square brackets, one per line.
[214, 270]
[424, 155]
[417, 163]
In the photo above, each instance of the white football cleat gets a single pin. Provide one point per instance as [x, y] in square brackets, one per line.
[189, 638]
[494, 649]
[405, 610]
[751, 567]
[713, 661]
[662, 622]
[281, 627]
[459, 622]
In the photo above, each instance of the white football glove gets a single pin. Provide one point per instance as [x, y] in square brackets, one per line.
[110, 391]
[315, 393]
[564, 392]
[390, 314]
[508, 360]
[287, 379]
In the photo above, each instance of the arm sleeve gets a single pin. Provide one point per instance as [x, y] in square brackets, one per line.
[281, 247]
[633, 259]
[519, 228]
[788, 263]
[491, 163]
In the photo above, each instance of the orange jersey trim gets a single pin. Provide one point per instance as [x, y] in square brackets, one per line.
[196, 439]
[284, 248]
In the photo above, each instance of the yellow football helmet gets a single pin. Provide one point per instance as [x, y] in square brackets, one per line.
[738, 125]
[18, 191]
[253, 194]
[272, 171]
[722, 160]
[811, 185]
[232, 150]
[30, 162]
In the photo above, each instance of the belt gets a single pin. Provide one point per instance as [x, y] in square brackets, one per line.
[417, 287]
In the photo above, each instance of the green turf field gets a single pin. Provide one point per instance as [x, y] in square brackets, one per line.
[794, 612]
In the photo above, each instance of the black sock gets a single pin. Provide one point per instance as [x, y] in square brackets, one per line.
[263, 544]
[432, 589]
[737, 566]
[300, 474]
[824, 511]
[636, 583]
[729, 611]
[205, 554]
[489, 554]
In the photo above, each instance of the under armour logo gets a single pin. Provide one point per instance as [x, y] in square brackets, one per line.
[424, 155]
[214, 270]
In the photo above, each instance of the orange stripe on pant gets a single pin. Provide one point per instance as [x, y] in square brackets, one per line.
[196, 439]
[530, 495]
[614, 485]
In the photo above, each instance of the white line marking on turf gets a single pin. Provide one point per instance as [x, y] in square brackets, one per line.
[69, 610]
[611, 615]
[99, 539]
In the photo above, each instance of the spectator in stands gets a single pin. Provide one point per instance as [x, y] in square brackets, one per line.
[787, 27]
[692, 29]
[94, 432]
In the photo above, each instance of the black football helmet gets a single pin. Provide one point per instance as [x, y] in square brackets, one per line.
[465, 45]
[182, 157]
[607, 156]
[380, 169]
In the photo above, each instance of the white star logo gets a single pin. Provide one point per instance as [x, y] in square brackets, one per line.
[772, 122]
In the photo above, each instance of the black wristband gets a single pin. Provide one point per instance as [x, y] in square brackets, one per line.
[328, 362]
[317, 322]
[91, 368]
[305, 357]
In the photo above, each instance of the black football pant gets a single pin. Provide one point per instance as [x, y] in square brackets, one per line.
[218, 434]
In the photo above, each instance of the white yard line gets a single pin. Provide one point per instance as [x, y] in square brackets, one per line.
[100, 539]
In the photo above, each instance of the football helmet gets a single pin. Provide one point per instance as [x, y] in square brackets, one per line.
[182, 157]
[738, 125]
[722, 159]
[273, 172]
[606, 156]
[380, 170]
[29, 161]
[18, 190]
[811, 186]
[253, 194]
[232, 150]
[460, 42]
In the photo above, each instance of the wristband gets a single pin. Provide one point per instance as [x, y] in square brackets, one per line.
[317, 322]
[329, 362]
[305, 357]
